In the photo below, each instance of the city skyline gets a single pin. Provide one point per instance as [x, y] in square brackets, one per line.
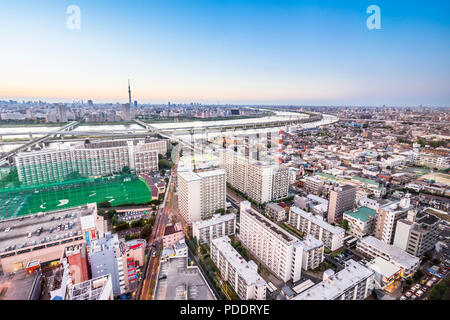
[283, 52]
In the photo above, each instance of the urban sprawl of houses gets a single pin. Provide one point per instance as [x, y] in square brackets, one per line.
[351, 209]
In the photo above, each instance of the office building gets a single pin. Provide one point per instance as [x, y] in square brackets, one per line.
[373, 247]
[307, 223]
[241, 275]
[361, 222]
[215, 227]
[387, 217]
[201, 194]
[341, 199]
[277, 249]
[417, 234]
[354, 282]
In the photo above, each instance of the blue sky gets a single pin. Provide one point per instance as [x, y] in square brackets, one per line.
[256, 52]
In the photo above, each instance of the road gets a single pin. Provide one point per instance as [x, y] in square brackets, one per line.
[146, 291]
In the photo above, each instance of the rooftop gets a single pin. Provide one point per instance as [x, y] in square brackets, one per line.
[363, 213]
[396, 255]
[323, 224]
[182, 282]
[91, 289]
[309, 242]
[214, 220]
[273, 227]
[42, 228]
[337, 284]
[19, 285]
[383, 267]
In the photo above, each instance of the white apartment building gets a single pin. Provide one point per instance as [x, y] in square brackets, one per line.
[215, 227]
[261, 181]
[355, 282]
[87, 158]
[275, 211]
[307, 223]
[241, 275]
[373, 247]
[39, 167]
[312, 252]
[387, 217]
[361, 222]
[201, 194]
[277, 249]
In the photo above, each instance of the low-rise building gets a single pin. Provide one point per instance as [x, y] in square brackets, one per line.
[354, 282]
[361, 222]
[373, 247]
[312, 252]
[387, 274]
[172, 234]
[215, 227]
[275, 211]
[241, 275]
[307, 223]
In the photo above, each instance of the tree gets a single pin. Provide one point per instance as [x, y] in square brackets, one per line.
[344, 224]
[220, 211]
[418, 275]
[126, 170]
[146, 231]
[104, 204]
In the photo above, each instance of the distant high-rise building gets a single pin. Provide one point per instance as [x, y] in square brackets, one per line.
[126, 114]
[342, 199]
[90, 103]
[62, 113]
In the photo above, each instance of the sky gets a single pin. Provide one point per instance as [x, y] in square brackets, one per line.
[302, 52]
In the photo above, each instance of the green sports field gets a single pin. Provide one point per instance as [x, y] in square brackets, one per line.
[118, 190]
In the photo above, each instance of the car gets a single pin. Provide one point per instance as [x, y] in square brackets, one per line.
[423, 282]
[29, 235]
[7, 229]
[153, 253]
[403, 298]
[424, 289]
[419, 293]
[434, 279]
[417, 286]
[413, 297]
[408, 294]
[413, 289]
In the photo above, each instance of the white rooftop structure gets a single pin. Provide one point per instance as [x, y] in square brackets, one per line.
[309, 242]
[216, 218]
[383, 267]
[317, 220]
[396, 255]
[336, 284]
[87, 222]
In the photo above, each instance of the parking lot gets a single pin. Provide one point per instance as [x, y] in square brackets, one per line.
[420, 290]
